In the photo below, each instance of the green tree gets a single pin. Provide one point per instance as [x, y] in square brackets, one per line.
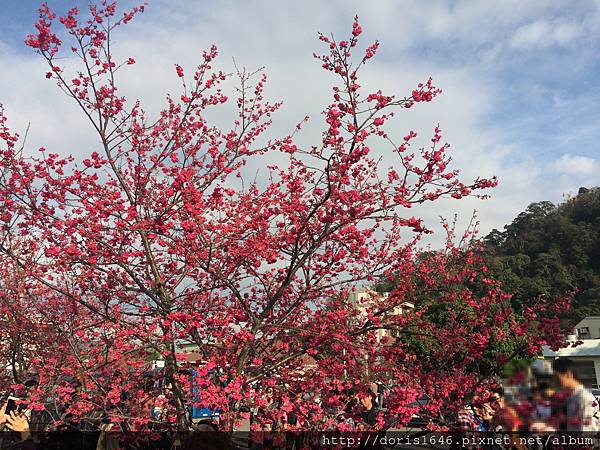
[551, 250]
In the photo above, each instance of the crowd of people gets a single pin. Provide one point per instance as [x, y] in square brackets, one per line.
[551, 402]
[548, 403]
[361, 409]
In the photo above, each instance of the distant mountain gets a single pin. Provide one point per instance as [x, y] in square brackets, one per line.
[549, 250]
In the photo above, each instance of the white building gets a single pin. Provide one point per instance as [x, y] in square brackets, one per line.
[368, 300]
[586, 356]
[588, 328]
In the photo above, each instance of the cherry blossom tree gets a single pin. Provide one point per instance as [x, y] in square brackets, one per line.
[156, 240]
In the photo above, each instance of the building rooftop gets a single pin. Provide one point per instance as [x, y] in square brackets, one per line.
[590, 347]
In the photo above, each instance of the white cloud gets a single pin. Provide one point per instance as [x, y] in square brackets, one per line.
[531, 35]
[543, 33]
[565, 33]
[576, 165]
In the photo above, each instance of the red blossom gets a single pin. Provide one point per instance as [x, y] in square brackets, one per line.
[179, 70]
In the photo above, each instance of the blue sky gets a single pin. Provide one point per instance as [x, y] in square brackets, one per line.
[521, 79]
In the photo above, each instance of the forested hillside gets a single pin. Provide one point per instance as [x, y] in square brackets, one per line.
[552, 249]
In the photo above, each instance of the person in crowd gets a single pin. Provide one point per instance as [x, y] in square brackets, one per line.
[542, 402]
[497, 405]
[14, 429]
[468, 423]
[580, 406]
[351, 413]
[475, 417]
[466, 420]
[509, 420]
[369, 405]
[498, 398]
[485, 412]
